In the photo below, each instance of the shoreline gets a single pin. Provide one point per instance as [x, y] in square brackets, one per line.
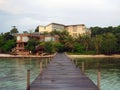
[25, 56]
[70, 56]
[94, 56]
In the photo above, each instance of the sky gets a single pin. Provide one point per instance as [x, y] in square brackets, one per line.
[26, 15]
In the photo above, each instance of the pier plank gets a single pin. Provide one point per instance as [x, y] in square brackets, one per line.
[62, 74]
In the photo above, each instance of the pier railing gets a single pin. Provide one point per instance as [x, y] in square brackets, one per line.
[75, 61]
[47, 61]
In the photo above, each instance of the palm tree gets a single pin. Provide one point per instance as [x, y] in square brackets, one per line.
[86, 41]
[97, 43]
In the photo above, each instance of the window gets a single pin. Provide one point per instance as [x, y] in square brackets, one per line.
[25, 39]
[49, 39]
[74, 28]
[18, 38]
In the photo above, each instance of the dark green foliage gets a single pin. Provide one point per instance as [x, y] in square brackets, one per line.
[49, 47]
[85, 41]
[110, 39]
[25, 32]
[7, 36]
[59, 47]
[109, 44]
[8, 46]
[98, 30]
[117, 35]
[7, 42]
[97, 43]
[79, 48]
[37, 29]
[32, 43]
[14, 30]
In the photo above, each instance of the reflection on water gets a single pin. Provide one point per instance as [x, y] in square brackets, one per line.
[13, 72]
[110, 71]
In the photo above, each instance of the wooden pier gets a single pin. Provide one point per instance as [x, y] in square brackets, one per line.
[61, 74]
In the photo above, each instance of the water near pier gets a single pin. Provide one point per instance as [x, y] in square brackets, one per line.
[13, 72]
[110, 71]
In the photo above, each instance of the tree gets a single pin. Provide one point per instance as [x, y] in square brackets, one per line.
[59, 47]
[14, 30]
[109, 44]
[25, 31]
[78, 48]
[8, 46]
[117, 35]
[86, 41]
[69, 44]
[96, 30]
[32, 43]
[49, 47]
[7, 36]
[37, 29]
[97, 40]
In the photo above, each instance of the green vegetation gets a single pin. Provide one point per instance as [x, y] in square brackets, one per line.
[7, 42]
[32, 43]
[101, 41]
[107, 39]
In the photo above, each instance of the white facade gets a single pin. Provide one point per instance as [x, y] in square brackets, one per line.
[74, 30]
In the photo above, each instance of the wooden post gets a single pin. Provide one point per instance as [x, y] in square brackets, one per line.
[46, 62]
[98, 78]
[40, 66]
[76, 63]
[28, 79]
[72, 60]
[83, 67]
[49, 59]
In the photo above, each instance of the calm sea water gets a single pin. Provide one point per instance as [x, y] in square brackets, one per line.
[13, 72]
[110, 71]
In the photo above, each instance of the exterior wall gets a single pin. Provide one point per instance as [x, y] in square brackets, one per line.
[75, 30]
[41, 29]
[22, 40]
[49, 28]
[57, 27]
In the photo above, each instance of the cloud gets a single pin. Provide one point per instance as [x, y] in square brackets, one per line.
[30, 13]
[38, 6]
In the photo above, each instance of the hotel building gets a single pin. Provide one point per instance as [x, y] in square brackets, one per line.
[74, 30]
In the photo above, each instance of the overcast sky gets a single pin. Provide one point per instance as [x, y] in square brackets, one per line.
[28, 14]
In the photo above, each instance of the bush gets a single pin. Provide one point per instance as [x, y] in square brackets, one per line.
[78, 48]
[49, 47]
[59, 47]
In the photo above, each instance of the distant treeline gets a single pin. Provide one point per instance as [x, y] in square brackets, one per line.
[108, 39]
[98, 30]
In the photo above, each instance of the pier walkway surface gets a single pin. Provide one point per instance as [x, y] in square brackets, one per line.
[62, 74]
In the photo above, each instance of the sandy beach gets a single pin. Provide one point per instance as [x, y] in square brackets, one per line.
[71, 56]
[93, 56]
[21, 56]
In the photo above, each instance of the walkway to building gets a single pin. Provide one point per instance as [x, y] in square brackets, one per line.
[62, 74]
